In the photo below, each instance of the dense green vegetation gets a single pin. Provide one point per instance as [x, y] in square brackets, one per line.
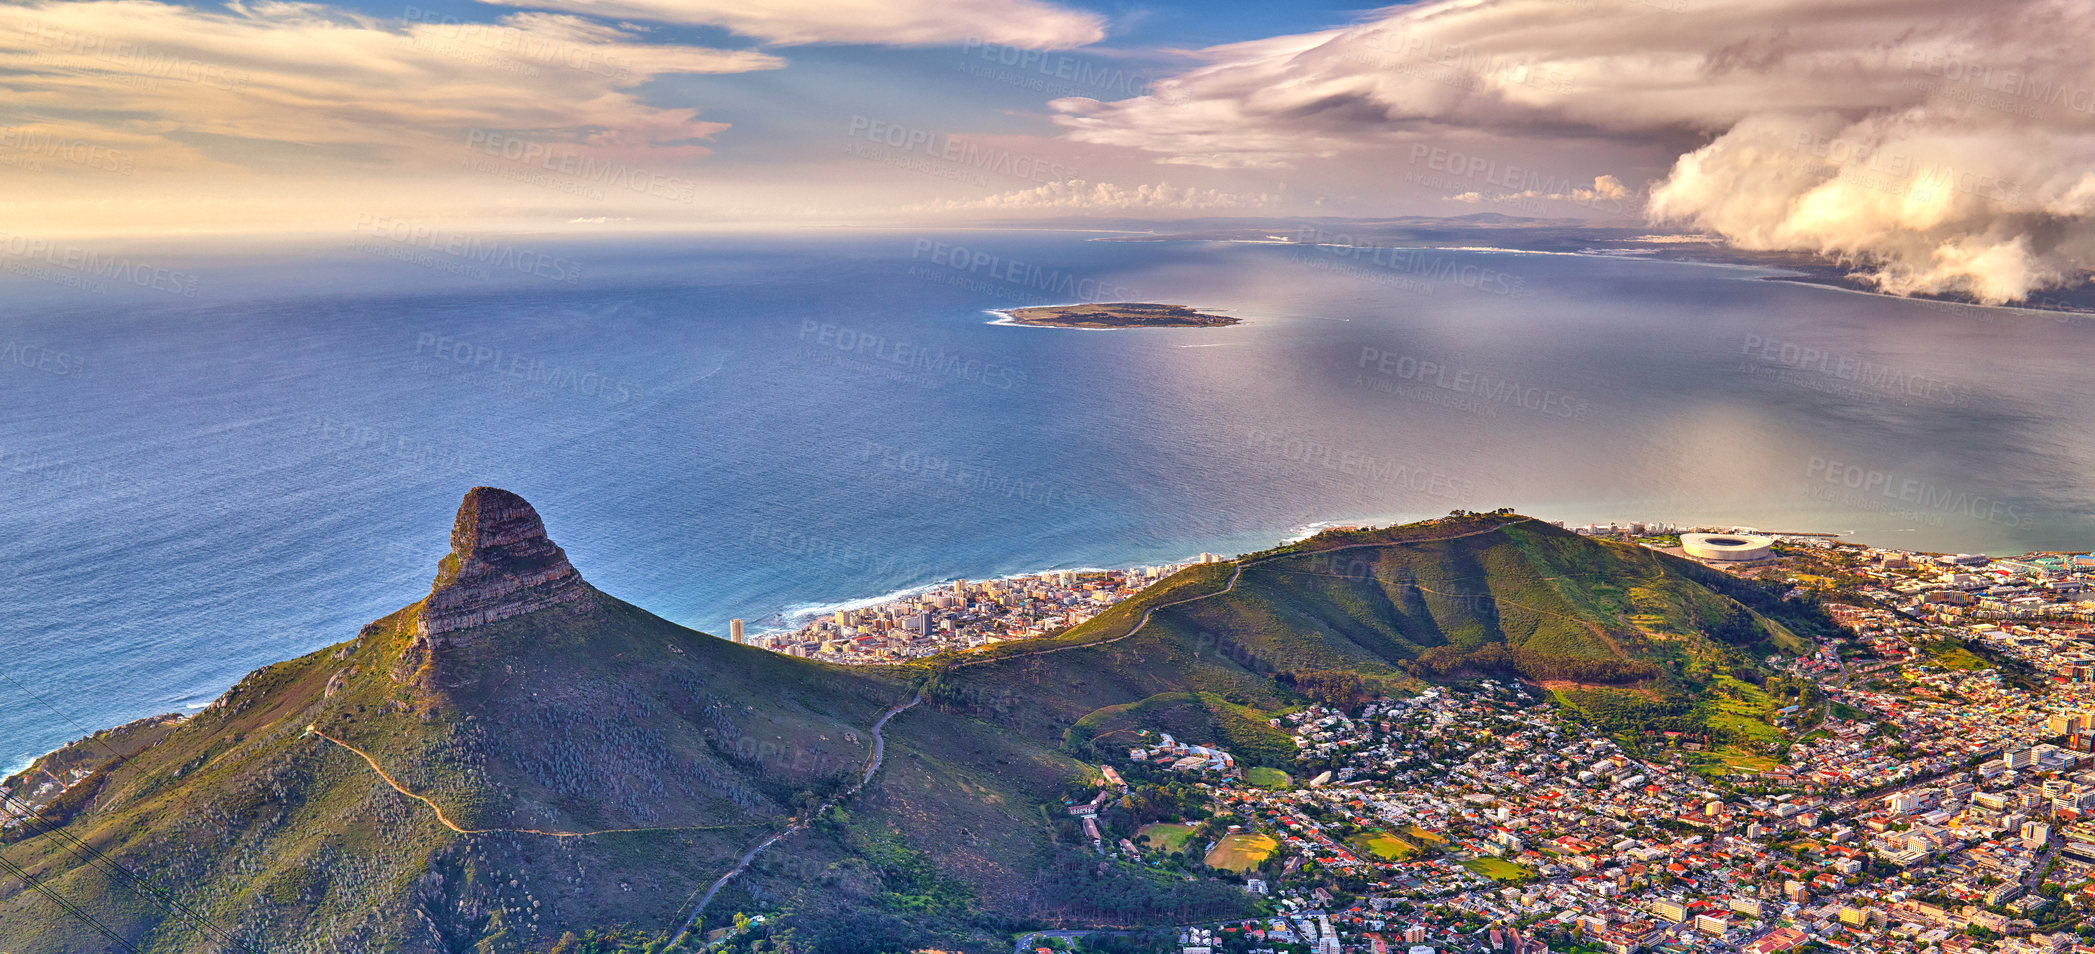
[1195, 718]
[1435, 600]
[1797, 617]
[885, 896]
[1118, 315]
[1077, 888]
[1339, 688]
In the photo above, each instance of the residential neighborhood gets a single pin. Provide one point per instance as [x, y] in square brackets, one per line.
[964, 615]
[1932, 788]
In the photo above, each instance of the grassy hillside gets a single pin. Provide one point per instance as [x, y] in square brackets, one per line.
[1447, 599]
[613, 719]
[606, 766]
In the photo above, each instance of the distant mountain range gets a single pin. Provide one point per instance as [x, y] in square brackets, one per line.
[519, 760]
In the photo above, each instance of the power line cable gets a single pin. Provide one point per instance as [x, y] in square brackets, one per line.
[70, 908]
[93, 855]
[137, 883]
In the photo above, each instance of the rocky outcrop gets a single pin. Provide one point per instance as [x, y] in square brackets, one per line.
[501, 566]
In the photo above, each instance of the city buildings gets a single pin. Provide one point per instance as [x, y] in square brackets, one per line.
[963, 615]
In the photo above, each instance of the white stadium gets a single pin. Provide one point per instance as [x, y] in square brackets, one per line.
[1727, 547]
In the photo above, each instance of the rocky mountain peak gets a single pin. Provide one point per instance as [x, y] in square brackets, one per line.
[501, 565]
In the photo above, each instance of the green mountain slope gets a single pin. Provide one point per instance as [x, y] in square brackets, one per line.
[519, 756]
[1483, 594]
[579, 715]
[1618, 632]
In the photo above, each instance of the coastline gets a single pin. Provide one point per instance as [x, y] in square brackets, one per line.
[783, 620]
[1005, 320]
[1784, 274]
[795, 615]
[792, 615]
[798, 614]
[2060, 315]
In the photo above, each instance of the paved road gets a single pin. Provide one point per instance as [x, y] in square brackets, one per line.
[742, 864]
[2035, 879]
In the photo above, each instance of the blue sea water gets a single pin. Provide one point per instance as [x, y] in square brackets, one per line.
[200, 484]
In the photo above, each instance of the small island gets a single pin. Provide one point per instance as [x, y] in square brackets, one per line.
[1118, 314]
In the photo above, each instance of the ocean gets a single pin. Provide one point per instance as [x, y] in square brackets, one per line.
[215, 459]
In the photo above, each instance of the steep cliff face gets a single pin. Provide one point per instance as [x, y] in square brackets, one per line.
[501, 566]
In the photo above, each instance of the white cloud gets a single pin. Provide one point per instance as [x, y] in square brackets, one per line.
[1604, 189]
[1939, 146]
[1023, 23]
[294, 86]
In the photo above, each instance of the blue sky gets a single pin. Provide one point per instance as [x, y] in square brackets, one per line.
[1939, 145]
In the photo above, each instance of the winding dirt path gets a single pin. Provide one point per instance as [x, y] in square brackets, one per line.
[1234, 576]
[448, 823]
[742, 864]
